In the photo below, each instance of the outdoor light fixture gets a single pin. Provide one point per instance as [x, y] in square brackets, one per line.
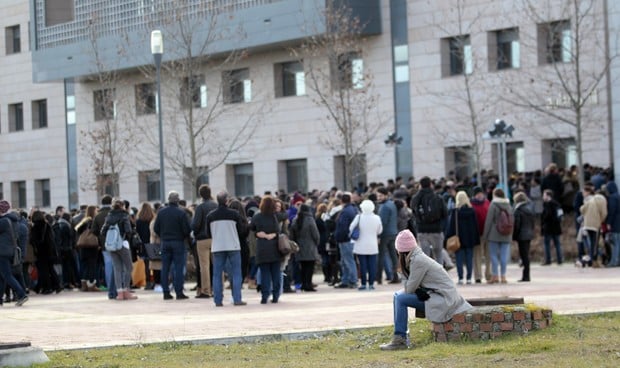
[157, 49]
[500, 131]
[393, 139]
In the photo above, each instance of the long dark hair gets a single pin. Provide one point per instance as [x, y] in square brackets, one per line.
[237, 206]
[303, 212]
[403, 259]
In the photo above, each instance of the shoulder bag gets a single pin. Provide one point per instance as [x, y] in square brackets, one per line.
[454, 243]
[87, 239]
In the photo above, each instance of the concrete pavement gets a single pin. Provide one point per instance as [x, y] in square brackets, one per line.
[75, 319]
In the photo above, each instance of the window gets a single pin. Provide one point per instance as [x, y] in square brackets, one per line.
[103, 102]
[58, 12]
[561, 151]
[1, 191]
[508, 51]
[12, 39]
[357, 168]
[554, 40]
[193, 92]
[237, 86]
[106, 184]
[145, 99]
[401, 63]
[39, 114]
[191, 182]
[460, 160]
[16, 117]
[349, 71]
[296, 175]
[18, 194]
[457, 55]
[244, 180]
[290, 79]
[42, 194]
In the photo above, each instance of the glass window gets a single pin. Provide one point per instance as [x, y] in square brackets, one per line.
[107, 185]
[401, 54]
[12, 39]
[58, 12]
[39, 114]
[191, 182]
[244, 180]
[153, 186]
[104, 105]
[237, 86]
[16, 117]
[508, 49]
[556, 39]
[350, 71]
[42, 192]
[460, 54]
[18, 194]
[293, 79]
[297, 175]
[193, 92]
[146, 102]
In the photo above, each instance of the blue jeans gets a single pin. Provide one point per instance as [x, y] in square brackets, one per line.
[615, 250]
[464, 255]
[368, 267]
[500, 253]
[402, 301]
[7, 278]
[172, 253]
[387, 257]
[558, 248]
[229, 261]
[109, 274]
[270, 280]
[347, 264]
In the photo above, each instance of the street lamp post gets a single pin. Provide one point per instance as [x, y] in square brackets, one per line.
[501, 131]
[157, 49]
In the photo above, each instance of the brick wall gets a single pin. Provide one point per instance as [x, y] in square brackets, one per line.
[484, 323]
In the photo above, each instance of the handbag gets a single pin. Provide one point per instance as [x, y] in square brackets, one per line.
[87, 240]
[284, 244]
[153, 251]
[454, 243]
[355, 233]
[17, 257]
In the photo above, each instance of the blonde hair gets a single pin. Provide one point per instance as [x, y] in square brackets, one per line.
[520, 197]
[462, 199]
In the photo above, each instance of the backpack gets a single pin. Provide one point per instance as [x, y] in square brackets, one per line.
[505, 222]
[430, 208]
[113, 239]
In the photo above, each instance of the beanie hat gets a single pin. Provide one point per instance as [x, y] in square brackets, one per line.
[477, 190]
[297, 198]
[405, 242]
[5, 206]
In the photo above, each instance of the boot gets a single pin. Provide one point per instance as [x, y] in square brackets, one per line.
[120, 294]
[84, 286]
[91, 286]
[326, 277]
[128, 295]
[252, 284]
[493, 280]
[504, 281]
[398, 343]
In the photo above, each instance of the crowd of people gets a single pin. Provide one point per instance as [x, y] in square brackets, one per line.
[350, 234]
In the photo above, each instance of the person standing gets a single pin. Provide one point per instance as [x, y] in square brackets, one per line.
[121, 259]
[465, 216]
[305, 232]
[387, 253]
[223, 228]
[594, 212]
[428, 287]
[366, 246]
[481, 204]
[430, 212]
[8, 243]
[203, 243]
[173, 228]
[106, 206]
[613, 222]
[265, 225]
[551, 226]
[553, 181]
[88, 256]
[42, 240]
[499, 244]
[523, 233]
[343, 237]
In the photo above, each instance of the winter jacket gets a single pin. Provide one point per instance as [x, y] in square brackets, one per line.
[42, 240]
[444, 301]
[266, 249]
[172, 223]
[536, 198]
[424, 227]
[551, 223]
[553, 182]
[120, 217]
[490, 228]
[594, 211]
[7, 237]
[323, 235]
[345, 218]
[199, 225]
[389, 218]
[224, 226]
[307, 237]
[482, 209]
[468, 226]
[370, 227]
[98, 222]
[525, 219]
[613, 207]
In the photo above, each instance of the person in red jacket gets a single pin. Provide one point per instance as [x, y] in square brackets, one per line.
[480, 203]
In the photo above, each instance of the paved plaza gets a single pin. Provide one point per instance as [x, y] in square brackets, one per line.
[75, 319]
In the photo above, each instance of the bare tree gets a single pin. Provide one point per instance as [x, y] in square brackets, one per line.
[340, 83]
[573, 51]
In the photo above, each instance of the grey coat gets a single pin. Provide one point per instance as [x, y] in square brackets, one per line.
[308, 238]
[445, 301]
[490, 229]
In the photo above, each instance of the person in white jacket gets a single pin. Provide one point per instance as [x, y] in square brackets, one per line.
[366, 247]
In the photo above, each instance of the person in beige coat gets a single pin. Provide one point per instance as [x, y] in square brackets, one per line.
[428, 287]
[594, 213]
[499, 244]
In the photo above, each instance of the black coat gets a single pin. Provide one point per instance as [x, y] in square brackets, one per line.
[551, 222]
[468, 226]
[525, 219]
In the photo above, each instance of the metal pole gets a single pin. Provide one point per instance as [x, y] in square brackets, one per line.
[162, 184]
[504, 164]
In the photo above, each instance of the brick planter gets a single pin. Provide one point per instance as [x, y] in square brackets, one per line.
[484, 323]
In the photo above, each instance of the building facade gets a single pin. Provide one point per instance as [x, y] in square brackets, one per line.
[435, 74]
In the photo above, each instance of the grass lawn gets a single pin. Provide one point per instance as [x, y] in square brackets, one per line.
[572, 341]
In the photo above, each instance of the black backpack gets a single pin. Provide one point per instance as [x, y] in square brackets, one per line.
[430, 208]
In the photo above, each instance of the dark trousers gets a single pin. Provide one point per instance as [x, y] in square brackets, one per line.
[387, 259]
[69, 268]
[7, 278]
[194, 251]
[524, 253]
[172, 254]
[307, 270]
[48, 278]
[270, 280]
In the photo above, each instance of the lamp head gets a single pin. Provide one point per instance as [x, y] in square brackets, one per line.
[157, 42]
